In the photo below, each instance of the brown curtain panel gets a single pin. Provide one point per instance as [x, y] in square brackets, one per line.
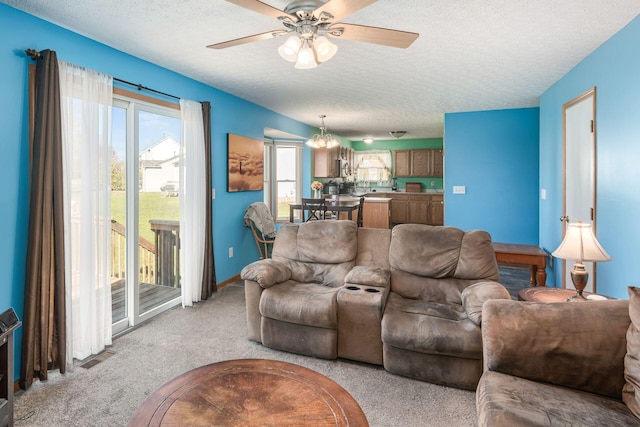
[209, 272]
[44, 337]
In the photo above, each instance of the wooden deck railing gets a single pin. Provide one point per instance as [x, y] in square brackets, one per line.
[158, 262]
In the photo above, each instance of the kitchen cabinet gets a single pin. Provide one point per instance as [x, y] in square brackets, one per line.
[376, 212]
[399, 208]
[423, 162]
[325, 162]
[436, 210]
[402, 162]
[415, 208]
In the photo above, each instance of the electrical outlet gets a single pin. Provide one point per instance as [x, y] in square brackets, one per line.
[543, 194]
[231, 252]
[213, 193]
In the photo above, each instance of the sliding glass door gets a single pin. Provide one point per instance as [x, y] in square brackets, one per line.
[145, 211]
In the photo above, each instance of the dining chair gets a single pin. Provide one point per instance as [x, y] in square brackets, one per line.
[329, 214]
[360, 210]
[313, 209]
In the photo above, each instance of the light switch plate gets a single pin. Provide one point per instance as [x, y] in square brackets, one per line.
[459, 189]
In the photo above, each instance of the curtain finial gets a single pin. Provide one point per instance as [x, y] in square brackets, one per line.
[34, 54]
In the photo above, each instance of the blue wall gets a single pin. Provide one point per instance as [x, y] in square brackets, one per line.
[614, 69]
[20, 31]
[494, 154]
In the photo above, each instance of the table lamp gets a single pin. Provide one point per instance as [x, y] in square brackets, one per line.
[580, 244]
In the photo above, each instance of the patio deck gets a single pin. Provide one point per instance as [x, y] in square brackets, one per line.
[151, 295]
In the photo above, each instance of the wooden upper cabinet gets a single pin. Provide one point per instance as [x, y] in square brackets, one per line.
[423, 162]
[402, 162]
[325, 163]
[420, 162]
[436, 163]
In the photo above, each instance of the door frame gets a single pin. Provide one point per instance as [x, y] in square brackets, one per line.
[591, 93]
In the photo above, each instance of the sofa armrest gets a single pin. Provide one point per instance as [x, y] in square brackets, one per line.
[266, 272]
[474, 297]
[581, 345]
[368, 276]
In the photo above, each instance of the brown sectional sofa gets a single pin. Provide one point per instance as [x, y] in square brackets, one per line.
[558, 364]
[409, 298]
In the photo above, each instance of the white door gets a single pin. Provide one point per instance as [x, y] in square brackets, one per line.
[579, 172]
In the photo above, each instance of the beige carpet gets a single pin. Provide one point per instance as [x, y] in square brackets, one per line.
[108, 393]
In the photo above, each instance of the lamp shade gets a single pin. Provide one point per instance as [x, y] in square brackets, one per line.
[580, 244]
[289, 50]
[306, 58]
[324, 48]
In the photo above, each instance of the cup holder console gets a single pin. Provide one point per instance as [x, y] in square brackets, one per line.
[356, 288]
[360, 310]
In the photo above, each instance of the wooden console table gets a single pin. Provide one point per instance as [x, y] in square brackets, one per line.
[529, 255]
[250, 392]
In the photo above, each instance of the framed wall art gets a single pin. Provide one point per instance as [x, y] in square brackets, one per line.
[245, 158]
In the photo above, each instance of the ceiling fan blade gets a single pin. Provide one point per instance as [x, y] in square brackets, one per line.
[263, 8]
[383, 36]
[248, 39]
[341, 8]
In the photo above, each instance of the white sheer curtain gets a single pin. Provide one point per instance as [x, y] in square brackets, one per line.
[192, 200]
[86, 98]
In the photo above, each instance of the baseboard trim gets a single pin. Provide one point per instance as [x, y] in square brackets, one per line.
[228, 281]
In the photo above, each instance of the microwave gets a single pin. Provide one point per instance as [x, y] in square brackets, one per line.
[344, 168]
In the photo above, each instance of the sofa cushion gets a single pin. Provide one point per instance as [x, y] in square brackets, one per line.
[506, 400]
[429, 327]
[317, 251]
[425, 250]
[631, 389]
[368, 276]
[308, 304]
[578, 345]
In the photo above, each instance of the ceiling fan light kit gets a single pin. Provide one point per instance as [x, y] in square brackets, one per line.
[310, 22]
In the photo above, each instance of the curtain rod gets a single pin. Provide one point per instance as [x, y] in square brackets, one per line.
[34, 54]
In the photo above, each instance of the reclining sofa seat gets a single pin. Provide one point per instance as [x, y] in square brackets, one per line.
[412, 296]
[297, 312]
[440, 277]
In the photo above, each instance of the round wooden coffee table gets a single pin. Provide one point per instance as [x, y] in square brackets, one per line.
[544, 294]
[250, 392]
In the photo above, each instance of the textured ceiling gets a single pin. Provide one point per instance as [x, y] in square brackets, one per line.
[471, 55]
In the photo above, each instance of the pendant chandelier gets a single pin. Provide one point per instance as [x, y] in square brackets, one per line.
[323, 140]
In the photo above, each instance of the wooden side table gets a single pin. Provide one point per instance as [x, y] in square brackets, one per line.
[543, 294]
[529, 255]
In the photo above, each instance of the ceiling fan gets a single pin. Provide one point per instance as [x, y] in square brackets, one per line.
[308, 22]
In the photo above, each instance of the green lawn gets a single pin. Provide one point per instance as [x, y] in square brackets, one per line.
[152, 206]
